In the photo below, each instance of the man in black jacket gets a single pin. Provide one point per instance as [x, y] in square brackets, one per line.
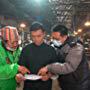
[36, 55]
[72, 65]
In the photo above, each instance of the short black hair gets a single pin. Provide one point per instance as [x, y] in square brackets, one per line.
[63, 30]
[36, 26]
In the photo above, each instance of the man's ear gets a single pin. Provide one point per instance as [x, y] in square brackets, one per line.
[65, 37]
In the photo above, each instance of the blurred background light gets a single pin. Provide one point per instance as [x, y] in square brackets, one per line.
[75, 33]
[87, 23]
[22, 25]
[38, 1]
[79, 30]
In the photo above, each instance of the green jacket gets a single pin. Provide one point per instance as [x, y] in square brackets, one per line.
[8, 68]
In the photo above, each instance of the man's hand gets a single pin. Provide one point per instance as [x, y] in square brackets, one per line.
[23, 70]
[43, 71]
[19, 77]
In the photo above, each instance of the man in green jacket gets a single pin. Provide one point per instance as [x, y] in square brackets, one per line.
[9, 54]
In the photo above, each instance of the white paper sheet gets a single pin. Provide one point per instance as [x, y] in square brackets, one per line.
[32, 77]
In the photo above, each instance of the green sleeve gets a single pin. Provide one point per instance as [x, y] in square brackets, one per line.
[8, 70]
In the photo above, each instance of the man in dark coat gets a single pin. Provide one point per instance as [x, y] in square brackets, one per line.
[36, 55]
[72, 66]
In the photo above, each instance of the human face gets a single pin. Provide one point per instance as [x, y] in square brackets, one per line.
[38, 36]
[57, 36]
[13, 44]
